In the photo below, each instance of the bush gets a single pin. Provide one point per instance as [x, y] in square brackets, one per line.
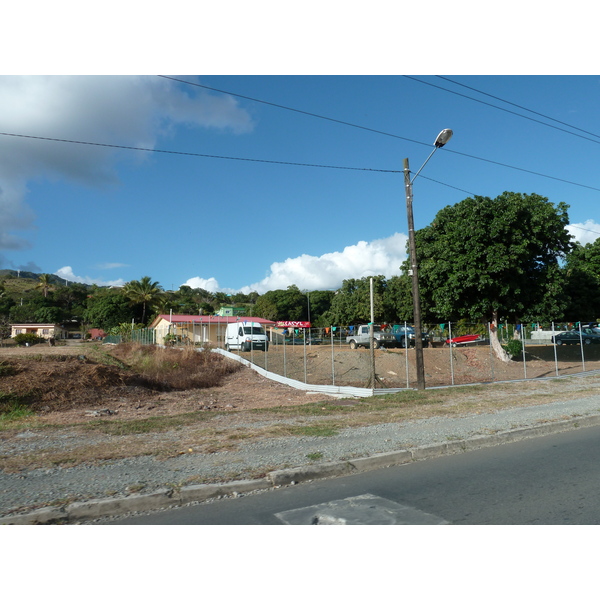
[22, 339]
[514, 348]
[176, 369]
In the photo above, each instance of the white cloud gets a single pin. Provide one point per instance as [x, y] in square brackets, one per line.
[210, 284]
[584, 233]
[325, 272]
[328, 271]
[117, 110]
[67, 273]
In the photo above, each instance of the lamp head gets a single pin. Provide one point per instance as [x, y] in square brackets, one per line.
[442, 138]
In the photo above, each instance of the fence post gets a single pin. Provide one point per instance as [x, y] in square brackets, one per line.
[406, 344]
[304, 337]
[582, 352]
[450, 348]
[332, 361]
[554, 345]
[523, 350]
[491, 351]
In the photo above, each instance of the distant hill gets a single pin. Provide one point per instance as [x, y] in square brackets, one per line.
[17, 283]
[10, 274]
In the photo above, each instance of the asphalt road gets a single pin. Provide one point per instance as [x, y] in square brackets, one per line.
[547, 480]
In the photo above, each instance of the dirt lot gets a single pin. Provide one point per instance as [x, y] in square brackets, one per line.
[71, 385]
[443, 366]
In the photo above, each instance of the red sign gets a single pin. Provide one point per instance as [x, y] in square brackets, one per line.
[299, 324]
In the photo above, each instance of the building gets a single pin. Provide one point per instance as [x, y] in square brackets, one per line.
[232, 311]
[198, 328]
[43, 330]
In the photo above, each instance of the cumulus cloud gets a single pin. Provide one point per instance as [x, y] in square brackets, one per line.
[584, 233]
[210, 284]
[119, 110]
[67, 273]
[328, 271]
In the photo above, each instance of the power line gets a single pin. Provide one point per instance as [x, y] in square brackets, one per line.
[512, 112]
[297, 110]
[196, 154]
[391, 134]
[517, 105]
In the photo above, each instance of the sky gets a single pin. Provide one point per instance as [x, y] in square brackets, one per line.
[281, 177]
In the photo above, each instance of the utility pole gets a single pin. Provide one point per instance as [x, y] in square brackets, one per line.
[412, 249]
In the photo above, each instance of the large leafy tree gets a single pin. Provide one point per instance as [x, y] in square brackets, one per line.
[351, 304]
[108, 308]
[489, 258]
[582, 282]
[144, 292]
[289, 304]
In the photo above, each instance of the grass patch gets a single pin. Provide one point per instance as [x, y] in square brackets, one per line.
[14, 407]
[315, 456]
[149, 425]
[317, 430]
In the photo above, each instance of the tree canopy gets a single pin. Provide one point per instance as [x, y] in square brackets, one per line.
[484, 258]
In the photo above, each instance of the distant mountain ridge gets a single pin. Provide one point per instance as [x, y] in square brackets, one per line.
[10, 273]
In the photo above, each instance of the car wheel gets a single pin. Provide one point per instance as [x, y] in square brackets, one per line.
[376, 344]
[587, 341]
[559, 342]
[227, 348]
[352, 345]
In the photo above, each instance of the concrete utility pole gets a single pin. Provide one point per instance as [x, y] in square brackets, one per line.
[440, 141]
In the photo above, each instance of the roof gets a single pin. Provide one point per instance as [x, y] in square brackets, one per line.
[36, 325]
[208, 319]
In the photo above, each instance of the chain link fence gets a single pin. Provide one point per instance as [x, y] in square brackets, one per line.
[454, 352]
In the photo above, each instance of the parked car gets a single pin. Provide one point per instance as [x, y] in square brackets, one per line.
[465, 339]
[401, 332]
[588, 336]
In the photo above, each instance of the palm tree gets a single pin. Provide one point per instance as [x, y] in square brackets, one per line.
[44, 283]
[145, 292]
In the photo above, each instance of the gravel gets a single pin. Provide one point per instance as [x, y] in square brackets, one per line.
[31, 489]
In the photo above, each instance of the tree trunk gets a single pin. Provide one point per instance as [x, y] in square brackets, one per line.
[495, 342]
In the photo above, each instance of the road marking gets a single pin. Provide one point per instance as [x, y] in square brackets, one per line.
[366, 509]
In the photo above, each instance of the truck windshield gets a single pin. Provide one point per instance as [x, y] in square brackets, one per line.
[253, 330]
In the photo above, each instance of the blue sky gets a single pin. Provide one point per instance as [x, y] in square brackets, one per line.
[109, 215]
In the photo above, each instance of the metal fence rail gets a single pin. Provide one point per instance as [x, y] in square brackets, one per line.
[321, 356]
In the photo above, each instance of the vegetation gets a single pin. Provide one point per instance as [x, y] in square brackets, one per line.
[507, 266]
[175, 369]
[22, 339]
[517, 264]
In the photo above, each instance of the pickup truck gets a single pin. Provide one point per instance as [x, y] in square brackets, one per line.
[362, 338]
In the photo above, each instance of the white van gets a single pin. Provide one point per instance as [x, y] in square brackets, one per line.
[245, 335]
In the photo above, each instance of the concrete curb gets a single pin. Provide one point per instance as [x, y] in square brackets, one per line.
[175, 497]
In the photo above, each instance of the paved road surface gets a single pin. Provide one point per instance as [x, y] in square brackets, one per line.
[549, 480]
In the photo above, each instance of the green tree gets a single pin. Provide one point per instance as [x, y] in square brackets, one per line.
[44, 284]
[351, 304]
[581, 275]
[144, 292]
[485, 259]
[107, 308]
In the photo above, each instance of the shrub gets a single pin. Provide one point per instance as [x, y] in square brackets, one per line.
[514, 348]
[176, 368]
[27, 338]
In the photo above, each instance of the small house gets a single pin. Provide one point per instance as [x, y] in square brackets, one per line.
[43, 330]
[198, 328]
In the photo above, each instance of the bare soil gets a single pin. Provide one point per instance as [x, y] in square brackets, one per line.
[69, 386]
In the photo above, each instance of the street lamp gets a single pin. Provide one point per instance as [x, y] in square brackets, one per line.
[440, 141]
